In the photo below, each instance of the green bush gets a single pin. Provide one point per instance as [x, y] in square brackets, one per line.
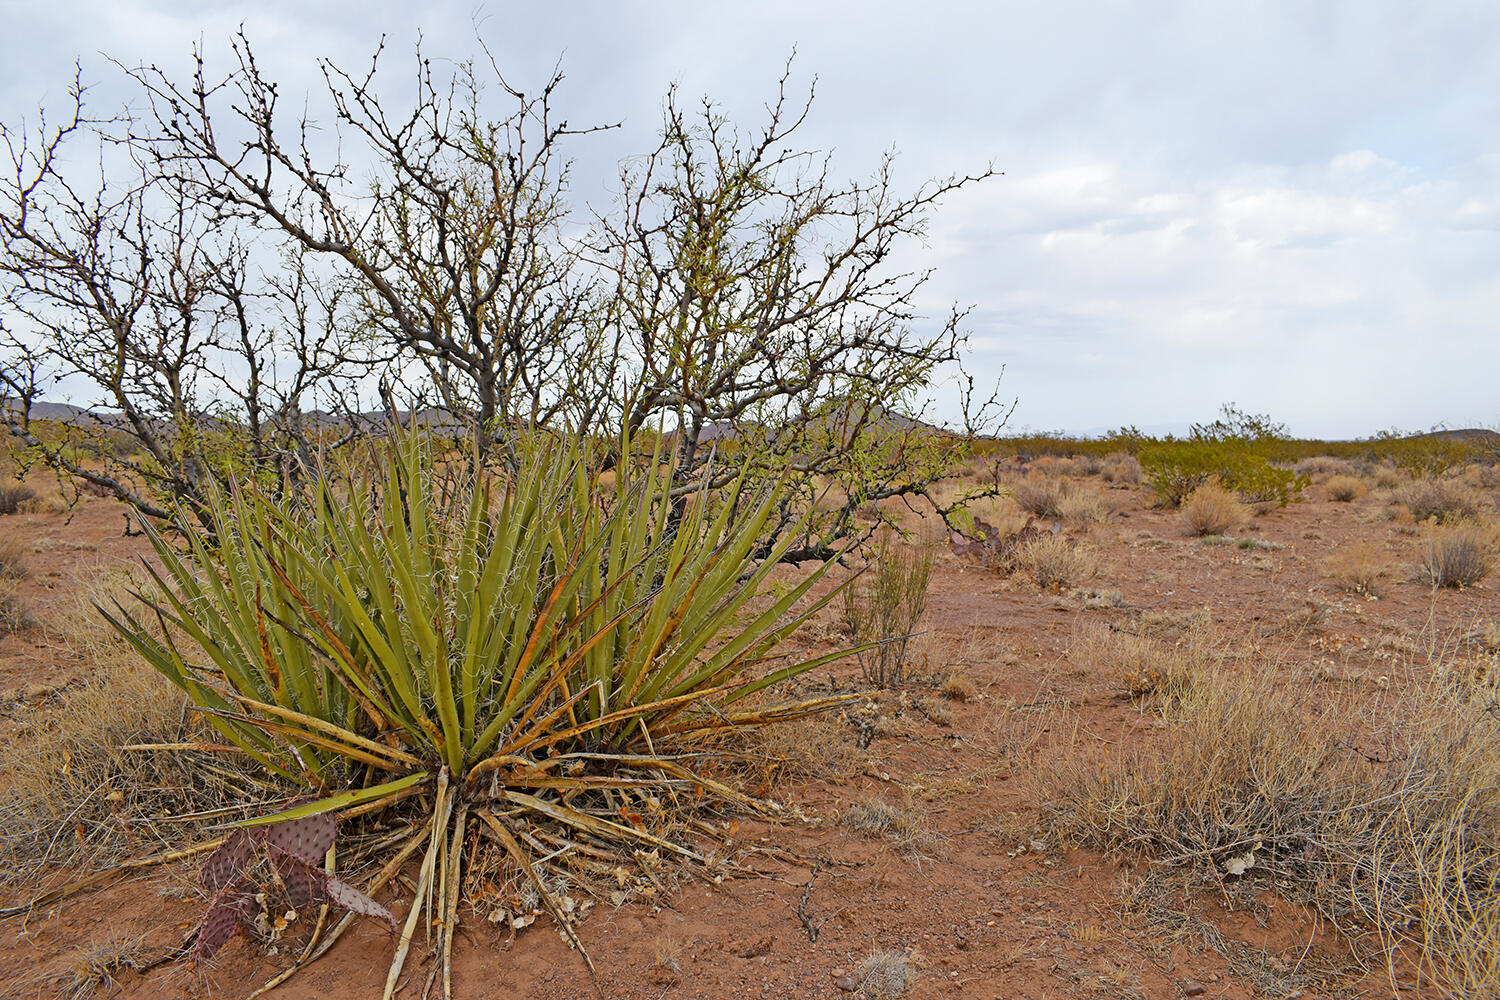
[533, 657]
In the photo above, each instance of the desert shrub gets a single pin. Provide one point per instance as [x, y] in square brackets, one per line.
[1085, 507]
[1239, 450]
[1344, 489]
[542, 643]
[1254, 781]
[1211, 510]
[1121, 467]
[1358, 569]
[1175, 469]
[882, 610]
[1458, 557]
[14, 497]
[1388, 477]
[1320, 468]
[1042, 496]
[1081, 466]
[1441, 500]
[1147, 666]
[1056, 562]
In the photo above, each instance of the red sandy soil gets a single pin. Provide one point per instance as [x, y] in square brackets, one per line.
[985, 913]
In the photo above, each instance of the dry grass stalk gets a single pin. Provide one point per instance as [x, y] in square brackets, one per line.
[1211, 510]
[904, 826]
[882, 975]
[77, 797]
[884, 607]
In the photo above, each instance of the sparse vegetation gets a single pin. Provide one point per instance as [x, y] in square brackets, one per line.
[1247, 785]
[882, 975]
[1147, 666]
[904, 826]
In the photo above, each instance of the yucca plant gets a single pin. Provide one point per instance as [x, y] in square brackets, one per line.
[535, 659]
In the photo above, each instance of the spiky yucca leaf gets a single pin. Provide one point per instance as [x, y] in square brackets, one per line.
[539, 641]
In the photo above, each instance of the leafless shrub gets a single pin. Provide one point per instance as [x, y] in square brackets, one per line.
[14, 497]
[1122, 467]
[1458, 557]
[1441, 500]
[1042, 496]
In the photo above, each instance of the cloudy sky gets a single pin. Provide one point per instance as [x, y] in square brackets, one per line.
[1292, 206]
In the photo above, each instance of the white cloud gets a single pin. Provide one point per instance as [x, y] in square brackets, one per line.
[1289, 206]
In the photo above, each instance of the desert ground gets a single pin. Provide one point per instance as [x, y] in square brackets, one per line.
[937, 837]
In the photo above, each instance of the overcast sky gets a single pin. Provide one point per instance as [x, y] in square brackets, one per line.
[1292, 206]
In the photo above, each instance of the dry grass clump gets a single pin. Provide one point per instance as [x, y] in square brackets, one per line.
[882, 975]
[1381, 813]
[1086, 508]
[1056, 562]
[904, 826]
[1211, 510]
[958, 687]
[76, 798]
[1458, 557]
[1121, 467]
[1358, 569]
[97, 966]
[14, 615]
[1344, 489]
[1442, 500]
[1042, 496]
[15, 497]
[1147, 666]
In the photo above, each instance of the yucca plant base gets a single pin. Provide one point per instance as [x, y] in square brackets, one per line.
[519, 683]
